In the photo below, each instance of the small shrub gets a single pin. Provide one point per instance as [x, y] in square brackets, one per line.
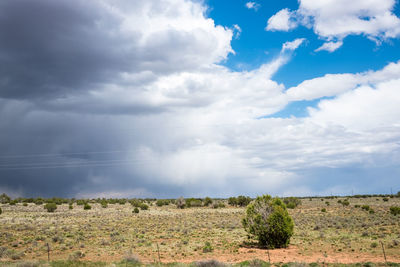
[81, 202]
[135, 210]
[135, 203]
[180, 203]
[268, 220]
[323, 210]
[327, 203]
[1, 211]
[395, 210]
[76, 255]
[365, 207]
[209, 263]
[160, 202]
[104, 204]
[232, 201]
[144, 206]
[385, 199]
[371, 211]
[292, 202]
[218, 204]
[131, 258]
[50, 207]
[345, 203]
[86, 206]
[193, 202]
[374, 245]
[71, 206]
[257, 263]
[207, 201]
[243, 201]
[207, 247]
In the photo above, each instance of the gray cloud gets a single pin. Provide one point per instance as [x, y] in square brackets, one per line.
[54, 49]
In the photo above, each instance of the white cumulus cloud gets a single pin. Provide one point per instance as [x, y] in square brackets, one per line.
[330, 46]
[281, 21]
[293, 45]
[334, 20]
[253, 5]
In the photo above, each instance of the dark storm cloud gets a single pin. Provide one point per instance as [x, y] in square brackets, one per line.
[51, 48]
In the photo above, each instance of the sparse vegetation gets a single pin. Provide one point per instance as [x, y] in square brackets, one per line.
[180, 235]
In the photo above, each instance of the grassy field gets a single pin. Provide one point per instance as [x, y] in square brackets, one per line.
[342, 234]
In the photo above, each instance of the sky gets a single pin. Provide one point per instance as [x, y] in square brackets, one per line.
[169, 98]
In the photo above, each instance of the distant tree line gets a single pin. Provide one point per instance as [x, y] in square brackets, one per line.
[50, 204]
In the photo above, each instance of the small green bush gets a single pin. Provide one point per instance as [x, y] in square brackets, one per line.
[1, 211]
[86, 206]
[50, 207]
[218, 204]
[207, 201]
[345, 202]
[371, 211]
[268, 220]
[365, 207]
[207, 247]
[374, 245]
[135, 210]
[385, 199]
[395, 210]
[70, 206]
[323, 210]
[232, 201]
[144, 206]
[243, 201]
[292, 202]
[161, 202]
[104, 204]
[135, 203]
[193, 202]
[81, 202]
